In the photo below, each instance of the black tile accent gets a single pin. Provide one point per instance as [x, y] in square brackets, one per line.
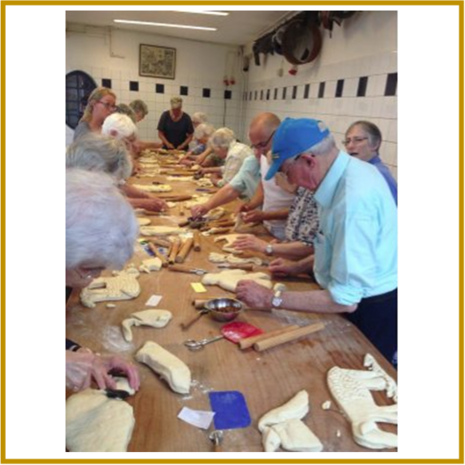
[261, 94]
[321, 90]
[106, 83]
[206, 93]
[276, 93]
[228, 94]
[134, 86]
[284, 93]
[268, 94]
[339, 87]
[362, 86]
[391, 84]
[250, 96]
[255, 95]
[307, 91]
[160, 88]
[294, 92]
[184, 90]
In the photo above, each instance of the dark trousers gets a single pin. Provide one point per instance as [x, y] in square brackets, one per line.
[376, 317]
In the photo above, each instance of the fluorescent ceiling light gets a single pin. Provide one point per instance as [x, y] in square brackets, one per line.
[200, 12]
[181, 26]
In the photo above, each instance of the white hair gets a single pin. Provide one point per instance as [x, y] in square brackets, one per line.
[199, 117]
[222, 138]
[94, 152]
[119, 125]
[100, 223]
[203, 130]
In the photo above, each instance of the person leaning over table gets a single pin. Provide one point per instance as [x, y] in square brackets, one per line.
[270, 203]
[100, 232]
[355, 260]
[202, 134]
[363, 140]
[224, 144]
[175, 127]
[96, 152]
[100, 104]
[141, 110]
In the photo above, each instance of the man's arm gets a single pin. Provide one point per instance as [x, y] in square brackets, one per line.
[225, 195]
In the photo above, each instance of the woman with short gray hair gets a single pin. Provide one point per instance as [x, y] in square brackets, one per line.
[101, 229]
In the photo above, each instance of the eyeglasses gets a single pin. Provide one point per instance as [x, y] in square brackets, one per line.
[354, 140]
[262, 145]
[290, 163]
[108, 106]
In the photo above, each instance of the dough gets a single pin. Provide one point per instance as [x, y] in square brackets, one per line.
[179, 178]
[230, 239]
[270, 439]
[153, 187]
[215, 213]
[151, 264]
[296, 408]
[215, 257]
[351, 389]
[228, 279]
[95, 423]
[204, 182]
[296, 436]
[153, 318]
[167, 365]
[391, 386]
[143, 221]
[122, 286]
[160, 230]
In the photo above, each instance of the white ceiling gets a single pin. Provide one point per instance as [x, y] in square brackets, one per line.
[238, 28]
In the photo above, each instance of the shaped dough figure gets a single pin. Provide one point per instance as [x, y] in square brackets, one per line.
[122, 286]
[153, 187]
[351, 389]
[153, 318]
[143, 221]
[167, 365]
[230, 239]
[228, 279]
[151, 264]
[95, 423]
[296, 436]
[296, 408]
[160, 230]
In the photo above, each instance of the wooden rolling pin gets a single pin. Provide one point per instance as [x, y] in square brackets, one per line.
[174, 198]
[174, 250]
[161, 242]
[164, 261]
[289, 336]
[197, 246]
[250, 341]
[185, 249]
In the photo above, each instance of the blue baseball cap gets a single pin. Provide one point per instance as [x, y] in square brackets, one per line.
[293, 137]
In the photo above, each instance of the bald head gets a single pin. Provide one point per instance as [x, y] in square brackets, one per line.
[261, 132]
[268, 121]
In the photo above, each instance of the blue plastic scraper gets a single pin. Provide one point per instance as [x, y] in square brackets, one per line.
[230, 410]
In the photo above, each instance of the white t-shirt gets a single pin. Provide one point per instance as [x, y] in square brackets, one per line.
[275, 198]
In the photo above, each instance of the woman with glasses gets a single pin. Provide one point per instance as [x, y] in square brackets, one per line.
[363, 140]
[100, 104]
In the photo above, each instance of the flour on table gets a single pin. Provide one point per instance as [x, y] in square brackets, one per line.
[123, 286]
[153, 187]
[160, 230]
[150, 264]
[351, 390]
[153, 318]
[95, 423]
[228, 279]
[167, 365]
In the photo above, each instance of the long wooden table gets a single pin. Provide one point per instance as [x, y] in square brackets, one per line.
[266, 379]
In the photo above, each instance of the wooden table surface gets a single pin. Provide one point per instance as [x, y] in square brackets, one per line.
[266, 379]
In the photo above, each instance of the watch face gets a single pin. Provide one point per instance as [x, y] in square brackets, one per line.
[276, 302]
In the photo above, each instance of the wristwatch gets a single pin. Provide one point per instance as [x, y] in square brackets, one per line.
[277, 300]
[269, 249]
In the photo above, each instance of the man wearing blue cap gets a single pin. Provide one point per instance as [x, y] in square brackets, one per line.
[355, 260]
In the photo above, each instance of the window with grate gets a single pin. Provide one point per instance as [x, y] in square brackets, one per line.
[79, 86]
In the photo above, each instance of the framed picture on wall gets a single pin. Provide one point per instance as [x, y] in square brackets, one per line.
[157, 62]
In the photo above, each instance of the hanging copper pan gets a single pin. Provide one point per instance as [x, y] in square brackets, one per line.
[301, 42]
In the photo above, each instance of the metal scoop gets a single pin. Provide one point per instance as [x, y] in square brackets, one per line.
[194, 345]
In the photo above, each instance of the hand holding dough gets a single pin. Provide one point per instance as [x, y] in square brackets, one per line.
[167, 365]
[153, 318]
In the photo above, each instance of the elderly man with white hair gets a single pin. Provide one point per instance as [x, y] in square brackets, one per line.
[101, 229]
[355, 260]
[94, 152]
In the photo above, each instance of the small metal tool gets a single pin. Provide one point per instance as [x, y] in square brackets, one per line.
[217, 438]
[194, 345]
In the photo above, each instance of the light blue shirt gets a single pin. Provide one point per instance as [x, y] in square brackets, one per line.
[247, 178]
[356, 247]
